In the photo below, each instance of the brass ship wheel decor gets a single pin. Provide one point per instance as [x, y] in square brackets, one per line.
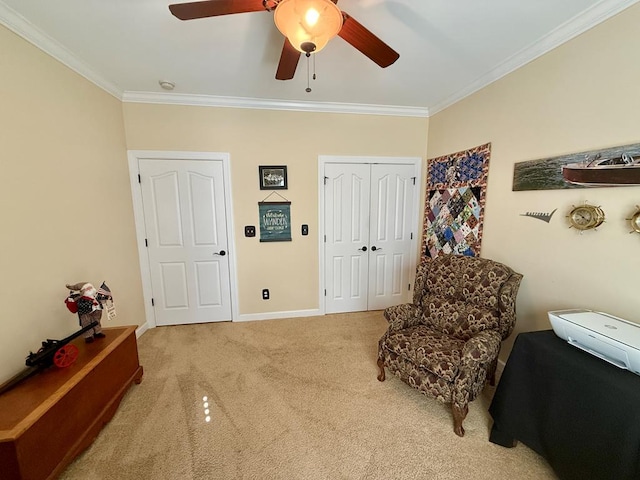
[585, 217]
[634, 221]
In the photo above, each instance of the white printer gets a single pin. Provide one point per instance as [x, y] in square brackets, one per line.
[611, 338]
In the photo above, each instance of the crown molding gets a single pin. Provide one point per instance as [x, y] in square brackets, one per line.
[570, 29]
[265, 104]
[25, 29]
[582, 22]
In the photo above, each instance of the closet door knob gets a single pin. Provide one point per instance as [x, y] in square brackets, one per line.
[222, 253]
[364, 249]
[374, 248]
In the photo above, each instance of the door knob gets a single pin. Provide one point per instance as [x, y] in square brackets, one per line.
[364, 249]
[374, 248]
[222, 253]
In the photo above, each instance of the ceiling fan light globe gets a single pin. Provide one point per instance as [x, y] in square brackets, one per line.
[308, 21]
[311, 17]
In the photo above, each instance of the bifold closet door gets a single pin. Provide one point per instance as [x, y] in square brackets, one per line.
[390, 235]
[347, 237]
[368, 211]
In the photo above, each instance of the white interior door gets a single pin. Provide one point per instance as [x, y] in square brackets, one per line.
[368, 230]
[185, 222]
[390, 269]
[347, 237]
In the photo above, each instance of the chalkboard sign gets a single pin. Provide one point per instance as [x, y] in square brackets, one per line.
[275, 221]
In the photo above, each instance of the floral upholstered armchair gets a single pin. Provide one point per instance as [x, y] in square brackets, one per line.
[446, 343]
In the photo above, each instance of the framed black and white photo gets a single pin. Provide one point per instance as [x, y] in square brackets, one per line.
[273, 177]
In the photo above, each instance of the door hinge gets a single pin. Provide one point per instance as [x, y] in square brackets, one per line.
[153, 303]
[409, 288]
[325, 292]
[325, 180]
[411, 236]
[139, 179]
[146, 243]
[325, 239]
[414, 180]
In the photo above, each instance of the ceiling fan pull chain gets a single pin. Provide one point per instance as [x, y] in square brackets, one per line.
[314, 67]
[308, 89]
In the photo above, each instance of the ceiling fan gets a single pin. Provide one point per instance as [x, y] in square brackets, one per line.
[306, 24]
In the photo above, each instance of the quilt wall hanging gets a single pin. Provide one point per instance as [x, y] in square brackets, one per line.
[454, 203]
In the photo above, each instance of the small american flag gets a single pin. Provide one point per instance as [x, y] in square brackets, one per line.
[104, 290]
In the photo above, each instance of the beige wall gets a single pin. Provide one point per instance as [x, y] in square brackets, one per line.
[63, 153]
[583, 95]
[64, 146]
[289, 270]
[65, 202]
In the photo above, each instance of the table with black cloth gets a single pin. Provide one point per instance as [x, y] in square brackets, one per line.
[579, 412]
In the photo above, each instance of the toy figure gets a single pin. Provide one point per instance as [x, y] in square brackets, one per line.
[86, 301]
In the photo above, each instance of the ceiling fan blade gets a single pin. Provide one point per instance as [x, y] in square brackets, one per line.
[288, 61]
[359, 37]
[214, 8]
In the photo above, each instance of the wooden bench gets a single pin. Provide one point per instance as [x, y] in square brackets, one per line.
[50, 418]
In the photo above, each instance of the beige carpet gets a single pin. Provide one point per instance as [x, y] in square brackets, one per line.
[288, 399]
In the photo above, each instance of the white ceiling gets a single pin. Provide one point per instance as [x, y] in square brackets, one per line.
[448, 49]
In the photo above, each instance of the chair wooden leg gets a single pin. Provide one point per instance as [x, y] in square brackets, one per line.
[459, 414]
[381, 367]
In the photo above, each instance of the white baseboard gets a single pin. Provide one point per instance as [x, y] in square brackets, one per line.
[250, 317]
[141, 329]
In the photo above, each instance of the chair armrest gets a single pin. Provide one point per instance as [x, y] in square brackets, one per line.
[403, 316]
[481, 348]
[507, 304]
[477, 355]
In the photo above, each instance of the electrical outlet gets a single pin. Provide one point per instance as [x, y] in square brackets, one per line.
[265, 294]
[249, 231]
[305, 229]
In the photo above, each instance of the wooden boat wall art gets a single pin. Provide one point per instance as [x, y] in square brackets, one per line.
[598, 171]
[611, 167]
